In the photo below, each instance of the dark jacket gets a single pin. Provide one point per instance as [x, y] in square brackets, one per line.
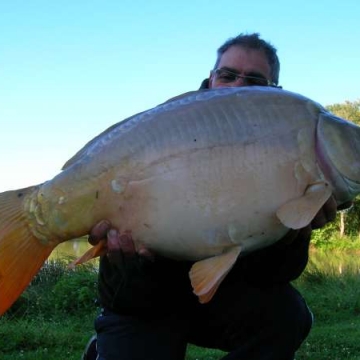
[138, 286]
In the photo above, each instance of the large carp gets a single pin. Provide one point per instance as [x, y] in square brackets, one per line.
[207, 176]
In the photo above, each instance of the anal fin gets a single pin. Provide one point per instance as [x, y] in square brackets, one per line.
[207, 275]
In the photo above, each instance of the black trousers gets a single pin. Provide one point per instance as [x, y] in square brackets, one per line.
[257, 323]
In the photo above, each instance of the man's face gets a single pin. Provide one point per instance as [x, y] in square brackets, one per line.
[241, 61]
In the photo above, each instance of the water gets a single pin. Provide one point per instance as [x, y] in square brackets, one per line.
[70, 249]
[331, 262]
[335, 262]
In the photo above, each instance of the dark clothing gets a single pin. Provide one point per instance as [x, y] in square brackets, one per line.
[255, 314]
[144, 288]
[150, 311]
[257, 323]
[204, 85]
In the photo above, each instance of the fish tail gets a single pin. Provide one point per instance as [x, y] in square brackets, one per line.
[21, 253]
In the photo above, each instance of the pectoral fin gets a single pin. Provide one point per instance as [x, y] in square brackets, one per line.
[299, 212]
[207, 275]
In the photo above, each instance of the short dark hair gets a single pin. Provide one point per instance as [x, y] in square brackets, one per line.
[253, 41]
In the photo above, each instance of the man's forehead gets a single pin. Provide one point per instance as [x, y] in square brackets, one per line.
[240, 59]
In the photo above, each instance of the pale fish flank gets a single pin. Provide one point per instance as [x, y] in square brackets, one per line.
[206, 176]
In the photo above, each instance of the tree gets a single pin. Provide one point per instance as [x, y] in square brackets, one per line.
[350, 111]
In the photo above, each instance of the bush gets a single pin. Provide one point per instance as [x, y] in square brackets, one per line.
[56, 288]
[76, 292]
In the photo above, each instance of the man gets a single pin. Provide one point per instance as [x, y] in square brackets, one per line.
[149, 310]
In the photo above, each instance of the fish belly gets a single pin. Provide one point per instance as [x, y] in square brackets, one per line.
[197, 204]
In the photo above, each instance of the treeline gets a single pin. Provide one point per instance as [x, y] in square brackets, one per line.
[348, 110]
[347, 223]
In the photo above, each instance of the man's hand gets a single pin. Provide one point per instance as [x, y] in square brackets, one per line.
[326, 214]
[118, 245]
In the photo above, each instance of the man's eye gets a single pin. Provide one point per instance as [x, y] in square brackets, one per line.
[227, 77]
[256, 81]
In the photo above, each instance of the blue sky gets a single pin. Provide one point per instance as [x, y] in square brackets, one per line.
[71, 68]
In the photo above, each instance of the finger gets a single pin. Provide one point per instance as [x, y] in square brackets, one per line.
[326, 214]
[146, 253]
[330, 208]
[123, 242]
[127, 244]
[98, 232]
[319, 220]
[113, 240]
[114, 254]
[119, 247]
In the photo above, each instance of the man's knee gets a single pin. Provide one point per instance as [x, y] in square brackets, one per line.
[128, 338]
[292, 317]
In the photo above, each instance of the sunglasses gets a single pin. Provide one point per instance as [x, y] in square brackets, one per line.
[225, 76]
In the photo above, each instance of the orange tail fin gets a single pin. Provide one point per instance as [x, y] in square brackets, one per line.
[21, 253]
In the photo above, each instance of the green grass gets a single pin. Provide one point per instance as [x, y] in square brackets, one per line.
[44, 338]
[333, 294]
[196, 353]
[53, 319]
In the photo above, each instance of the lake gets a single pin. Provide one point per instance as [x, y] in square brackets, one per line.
[332, 262]
[71, 249]
[335, 262]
